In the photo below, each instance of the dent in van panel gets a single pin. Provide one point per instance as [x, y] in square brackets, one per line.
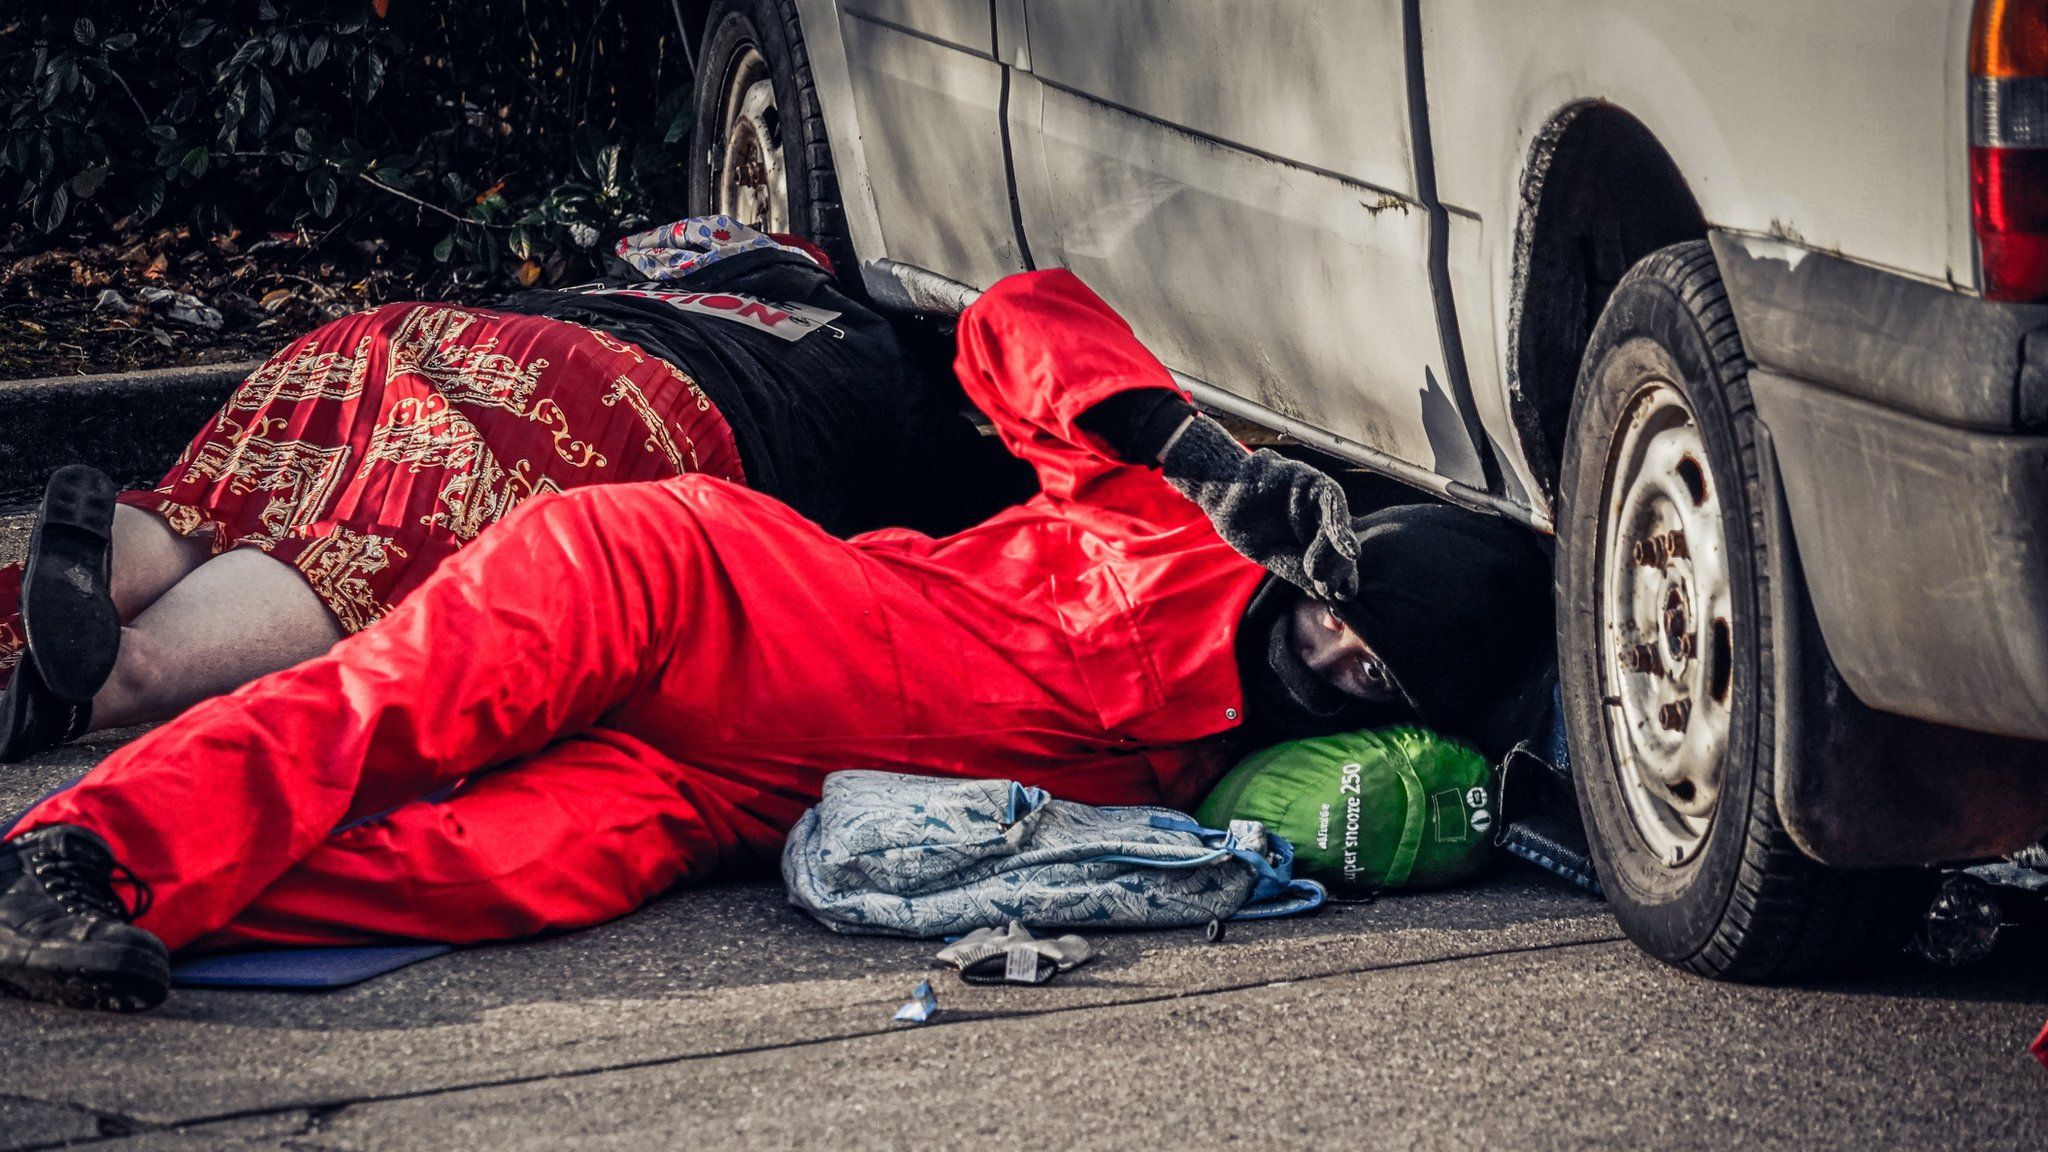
[1471, 286]
[1287, 287]
[961, 23]
[930, 120]
[1306, 80]
[1772, 250]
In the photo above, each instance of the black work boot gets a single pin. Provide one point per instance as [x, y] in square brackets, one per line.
[64, 932]
[32, 718]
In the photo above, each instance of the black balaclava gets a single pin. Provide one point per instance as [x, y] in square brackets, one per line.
[1284, 698]
[1455, 603]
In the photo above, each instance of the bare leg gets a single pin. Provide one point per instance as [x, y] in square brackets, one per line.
[238, 616]
[148, 559]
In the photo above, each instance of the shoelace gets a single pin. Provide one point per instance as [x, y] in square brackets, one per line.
[70, 881]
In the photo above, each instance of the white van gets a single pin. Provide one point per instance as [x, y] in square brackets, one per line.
[1742, 301]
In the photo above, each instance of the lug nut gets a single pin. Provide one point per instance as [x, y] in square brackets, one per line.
[1658, 551]
[1674, 715]
[1643, 658]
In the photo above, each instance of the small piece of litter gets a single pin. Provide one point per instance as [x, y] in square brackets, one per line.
[1213, 932]
[922, 1006]
[1012, 955]
[108, 298]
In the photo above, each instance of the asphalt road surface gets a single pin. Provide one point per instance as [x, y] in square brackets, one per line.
[1508, 1014]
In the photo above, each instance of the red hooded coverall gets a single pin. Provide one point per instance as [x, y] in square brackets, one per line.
[637, 684]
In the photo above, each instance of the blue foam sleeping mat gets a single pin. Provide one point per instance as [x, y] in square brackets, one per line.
[282, 969]
[298, 969]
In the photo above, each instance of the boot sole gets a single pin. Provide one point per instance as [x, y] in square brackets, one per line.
[107, 978]
[67, 608]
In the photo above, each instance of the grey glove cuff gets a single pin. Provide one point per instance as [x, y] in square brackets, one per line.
[1202, 452]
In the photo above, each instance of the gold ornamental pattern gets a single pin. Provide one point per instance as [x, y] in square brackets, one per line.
[307, 374]
[12, 642]
[611, 343]
[301, 475]
[422, 432]
[428, 433]
[339, 564]
[480, 495]
[659, 438]
[183, 518]
[428, 344]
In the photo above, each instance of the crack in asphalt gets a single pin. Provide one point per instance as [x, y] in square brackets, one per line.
[319, 1112]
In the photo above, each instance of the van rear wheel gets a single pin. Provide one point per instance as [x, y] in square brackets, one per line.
[759, 152]
[1670, 651]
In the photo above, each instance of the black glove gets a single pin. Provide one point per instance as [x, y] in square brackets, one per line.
[1288, 517]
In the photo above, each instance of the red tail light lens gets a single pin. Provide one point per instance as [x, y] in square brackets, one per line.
[2009, 190]
[2009, 146]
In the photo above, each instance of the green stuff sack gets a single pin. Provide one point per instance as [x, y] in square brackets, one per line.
[1367, 811]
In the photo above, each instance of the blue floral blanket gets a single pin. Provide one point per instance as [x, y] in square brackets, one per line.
[922, 856]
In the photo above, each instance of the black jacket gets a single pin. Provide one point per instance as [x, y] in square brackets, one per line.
[830, 423]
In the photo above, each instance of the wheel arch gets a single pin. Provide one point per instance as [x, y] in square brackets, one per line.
[1598, 192]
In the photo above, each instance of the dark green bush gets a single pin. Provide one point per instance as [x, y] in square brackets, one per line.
[503, 135]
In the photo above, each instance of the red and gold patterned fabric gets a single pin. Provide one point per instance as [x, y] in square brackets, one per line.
[11, 639]
[369, 450]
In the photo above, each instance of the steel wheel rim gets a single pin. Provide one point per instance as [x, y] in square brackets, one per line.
[753, 182]
[1667, 630]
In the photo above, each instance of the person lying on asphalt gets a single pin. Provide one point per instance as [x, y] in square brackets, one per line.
[340, 474]
[624, 687]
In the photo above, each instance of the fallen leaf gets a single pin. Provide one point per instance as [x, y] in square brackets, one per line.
[157, 267]
[528, 273]
[275, 299]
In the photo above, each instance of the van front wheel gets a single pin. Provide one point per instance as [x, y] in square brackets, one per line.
[1670, 650]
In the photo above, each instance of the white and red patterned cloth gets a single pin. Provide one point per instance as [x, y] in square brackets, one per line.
[675, 250]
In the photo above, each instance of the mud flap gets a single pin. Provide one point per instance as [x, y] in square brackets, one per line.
[1859, 788]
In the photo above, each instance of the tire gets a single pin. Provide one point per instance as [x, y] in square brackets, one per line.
[1670, 652]
[747, 42]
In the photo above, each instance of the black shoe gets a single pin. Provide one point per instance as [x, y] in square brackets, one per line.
[67, 606]
[32, 718]
[64, 933]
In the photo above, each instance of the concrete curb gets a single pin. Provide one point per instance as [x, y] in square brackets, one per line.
[132, 425]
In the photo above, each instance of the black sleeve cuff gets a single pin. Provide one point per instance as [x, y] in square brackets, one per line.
[1137, 424]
